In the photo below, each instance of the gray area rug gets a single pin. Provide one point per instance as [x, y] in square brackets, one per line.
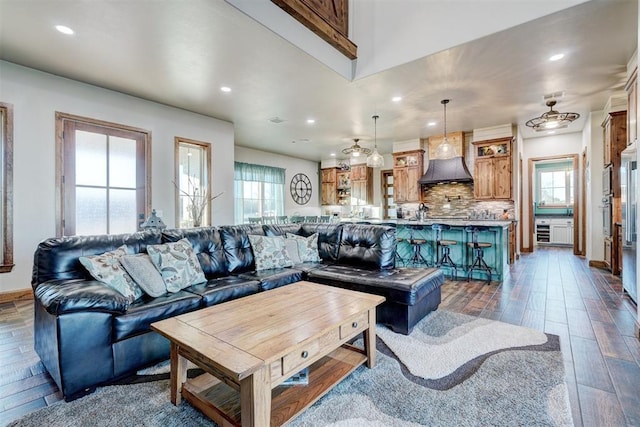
[452, 370]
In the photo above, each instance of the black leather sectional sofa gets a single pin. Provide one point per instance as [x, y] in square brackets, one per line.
[88, 334]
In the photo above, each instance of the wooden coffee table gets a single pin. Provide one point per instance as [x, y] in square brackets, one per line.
[249, 346]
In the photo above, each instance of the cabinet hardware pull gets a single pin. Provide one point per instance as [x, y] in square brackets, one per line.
[354, 325]
[305, 354]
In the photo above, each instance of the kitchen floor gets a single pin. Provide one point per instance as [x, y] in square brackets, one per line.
[550, 290]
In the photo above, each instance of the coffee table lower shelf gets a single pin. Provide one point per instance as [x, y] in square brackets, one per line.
[221, 402]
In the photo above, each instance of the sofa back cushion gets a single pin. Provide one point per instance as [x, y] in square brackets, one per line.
[237, 248]
[281, 229]
[207, 244]
[369, 246]
[57, 258]
[328, 238]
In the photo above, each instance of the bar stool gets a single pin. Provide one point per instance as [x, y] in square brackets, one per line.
[478, 251]
[445, 258]
[416, 244]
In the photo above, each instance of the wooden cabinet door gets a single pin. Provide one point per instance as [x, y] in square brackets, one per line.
[400, 185]
[502, 178]
[358, 172]
[413, 188]
[607, 142]
[328, 193]
[483, 179]
[328, 175]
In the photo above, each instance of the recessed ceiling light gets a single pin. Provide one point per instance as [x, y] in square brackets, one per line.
[431, 124]
[396, 99]
[311, 121]
[225, 89]
[332, 154]
[556, 57]
[64, 29]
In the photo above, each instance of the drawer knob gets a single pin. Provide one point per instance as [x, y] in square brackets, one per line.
[354, 325]
[305, 354]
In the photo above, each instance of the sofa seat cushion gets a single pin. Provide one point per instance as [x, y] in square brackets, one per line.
[306, 267]
[221, 289]
[147, 310]
[401, 285]
[274, 278]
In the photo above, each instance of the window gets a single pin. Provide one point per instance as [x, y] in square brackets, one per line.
[6, 187]
[555, 185]
[193, 194]
[102, 174]
[259, 191]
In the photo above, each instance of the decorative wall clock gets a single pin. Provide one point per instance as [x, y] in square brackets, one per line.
[300, 188]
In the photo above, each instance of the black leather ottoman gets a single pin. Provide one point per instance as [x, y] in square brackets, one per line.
[411, 293]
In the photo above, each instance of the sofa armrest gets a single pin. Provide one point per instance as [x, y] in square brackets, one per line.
[68, 296]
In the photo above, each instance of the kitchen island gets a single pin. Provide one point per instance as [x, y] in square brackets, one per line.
[496, 256]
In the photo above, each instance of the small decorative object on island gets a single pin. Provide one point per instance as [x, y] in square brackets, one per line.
[153, 222]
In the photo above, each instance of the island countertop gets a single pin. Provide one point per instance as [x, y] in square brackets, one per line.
[460, 222]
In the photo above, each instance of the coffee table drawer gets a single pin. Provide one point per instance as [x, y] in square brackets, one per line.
[354, 325]
[310, 352]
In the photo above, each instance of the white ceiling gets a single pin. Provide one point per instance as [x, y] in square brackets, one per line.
[179, 53]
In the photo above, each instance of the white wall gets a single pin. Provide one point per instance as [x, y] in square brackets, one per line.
[36, 96]
[545, 146]
[593, 142]
[292, 166]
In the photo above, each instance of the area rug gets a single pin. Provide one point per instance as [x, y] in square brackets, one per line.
[452, 369]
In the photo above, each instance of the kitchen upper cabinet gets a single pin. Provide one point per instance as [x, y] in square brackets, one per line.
[615, 137]
[361, 185]
[328, 186]
[492, 171]
[407, 170]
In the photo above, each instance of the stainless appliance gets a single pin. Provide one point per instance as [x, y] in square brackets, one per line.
[607, 181]
[629, 203]
[607, 212]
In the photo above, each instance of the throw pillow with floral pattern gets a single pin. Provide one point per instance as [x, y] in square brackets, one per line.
[177, 263]
[307, 247]
[269, 252]
[107, 269]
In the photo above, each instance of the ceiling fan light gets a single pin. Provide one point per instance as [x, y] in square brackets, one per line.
[552, 119]
[356, 154]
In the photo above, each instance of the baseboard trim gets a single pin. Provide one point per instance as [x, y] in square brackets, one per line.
[21, 295]
[598, 264]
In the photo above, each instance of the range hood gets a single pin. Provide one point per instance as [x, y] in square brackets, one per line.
[446, 170]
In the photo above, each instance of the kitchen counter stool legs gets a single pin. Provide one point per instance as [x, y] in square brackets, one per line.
[478, 252]
[442, 245]
[416, 244]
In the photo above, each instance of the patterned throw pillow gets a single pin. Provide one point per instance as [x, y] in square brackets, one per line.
[177, 263]
[144, 273]
[269, 252]
[307, 247]
[107, 269]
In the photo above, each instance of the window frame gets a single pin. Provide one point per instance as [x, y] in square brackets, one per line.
[568, 176]
[62, 120]
[6, 259]
[206, 147]
[279, 210]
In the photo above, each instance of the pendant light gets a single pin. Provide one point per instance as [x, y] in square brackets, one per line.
[445, 150]
[375, 160]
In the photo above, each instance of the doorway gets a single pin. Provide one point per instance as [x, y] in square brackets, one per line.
[555, 201]
[387, 193]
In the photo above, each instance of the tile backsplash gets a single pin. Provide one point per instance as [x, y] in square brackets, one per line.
[447, 200]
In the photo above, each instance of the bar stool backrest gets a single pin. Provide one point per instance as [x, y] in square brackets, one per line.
[438, 229]
[475, 230]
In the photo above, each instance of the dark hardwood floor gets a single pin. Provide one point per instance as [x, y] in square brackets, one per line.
[549, 290]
